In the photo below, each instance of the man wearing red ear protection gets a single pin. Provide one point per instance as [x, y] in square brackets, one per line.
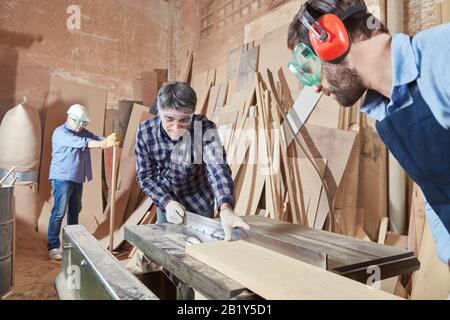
[407, 85]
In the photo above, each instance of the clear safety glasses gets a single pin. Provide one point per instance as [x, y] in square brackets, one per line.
[170, 118]
[80, 123]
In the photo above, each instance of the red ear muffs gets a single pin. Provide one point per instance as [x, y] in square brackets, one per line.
[337, 45]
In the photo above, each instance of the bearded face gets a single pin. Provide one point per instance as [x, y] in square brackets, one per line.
[344, 83]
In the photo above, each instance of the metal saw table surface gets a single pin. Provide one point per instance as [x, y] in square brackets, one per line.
[349, 257]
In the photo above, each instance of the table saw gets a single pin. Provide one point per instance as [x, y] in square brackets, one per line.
[89, 271]
[349, 257]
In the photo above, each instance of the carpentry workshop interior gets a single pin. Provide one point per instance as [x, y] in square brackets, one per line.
[224, 150]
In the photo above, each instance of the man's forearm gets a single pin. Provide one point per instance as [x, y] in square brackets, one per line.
[150, 186]
[96, 144]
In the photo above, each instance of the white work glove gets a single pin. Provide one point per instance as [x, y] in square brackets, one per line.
[175, 212]
[230, 221]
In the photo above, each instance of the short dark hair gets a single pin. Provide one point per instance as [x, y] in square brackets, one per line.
[358, 25]
[177, 95]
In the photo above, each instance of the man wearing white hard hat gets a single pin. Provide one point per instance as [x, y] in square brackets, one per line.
[69, 169]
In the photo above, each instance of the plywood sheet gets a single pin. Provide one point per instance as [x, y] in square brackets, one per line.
[300, 112]
[311, 185]
[326, 113]
[372, 184]
[138, 114]
[334, 145]
[126, 182]
[284, 277]
[62, 94]
[258, 28]
[346, 195]
[149, 87]
[432, 280]
[248, 65]
[274, 55]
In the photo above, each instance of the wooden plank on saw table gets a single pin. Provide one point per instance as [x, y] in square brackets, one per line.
[248, 263]
[62, 94]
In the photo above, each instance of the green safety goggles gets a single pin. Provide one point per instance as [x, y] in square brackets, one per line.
[305, 65]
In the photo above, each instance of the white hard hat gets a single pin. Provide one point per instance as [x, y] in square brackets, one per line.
[78, 112]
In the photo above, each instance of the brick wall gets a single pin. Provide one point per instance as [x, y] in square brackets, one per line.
[117, 40]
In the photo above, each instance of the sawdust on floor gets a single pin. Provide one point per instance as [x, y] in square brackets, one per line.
[34, 272]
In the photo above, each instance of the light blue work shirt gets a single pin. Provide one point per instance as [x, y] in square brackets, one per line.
[425, 58]
[71, 157]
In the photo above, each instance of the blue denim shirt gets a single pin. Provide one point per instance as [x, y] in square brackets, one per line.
[71, 159]
[424, 59]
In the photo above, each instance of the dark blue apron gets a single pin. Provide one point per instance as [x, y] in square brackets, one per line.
[422, 147]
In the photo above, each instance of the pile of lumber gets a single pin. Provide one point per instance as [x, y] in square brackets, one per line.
[275, 175]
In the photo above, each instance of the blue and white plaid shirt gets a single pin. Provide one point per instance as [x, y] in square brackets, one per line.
[194, 174]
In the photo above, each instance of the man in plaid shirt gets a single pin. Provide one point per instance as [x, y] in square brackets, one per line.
[181, 163]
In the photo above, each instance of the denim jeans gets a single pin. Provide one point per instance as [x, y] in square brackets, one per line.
[161, 214]
[67, 198]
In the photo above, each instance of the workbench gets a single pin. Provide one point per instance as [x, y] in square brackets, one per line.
[165, 245]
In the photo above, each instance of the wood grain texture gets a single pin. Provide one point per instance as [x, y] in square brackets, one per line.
[248, 264]
[432, 281]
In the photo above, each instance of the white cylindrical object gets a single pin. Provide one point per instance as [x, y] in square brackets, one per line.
[397, 176]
